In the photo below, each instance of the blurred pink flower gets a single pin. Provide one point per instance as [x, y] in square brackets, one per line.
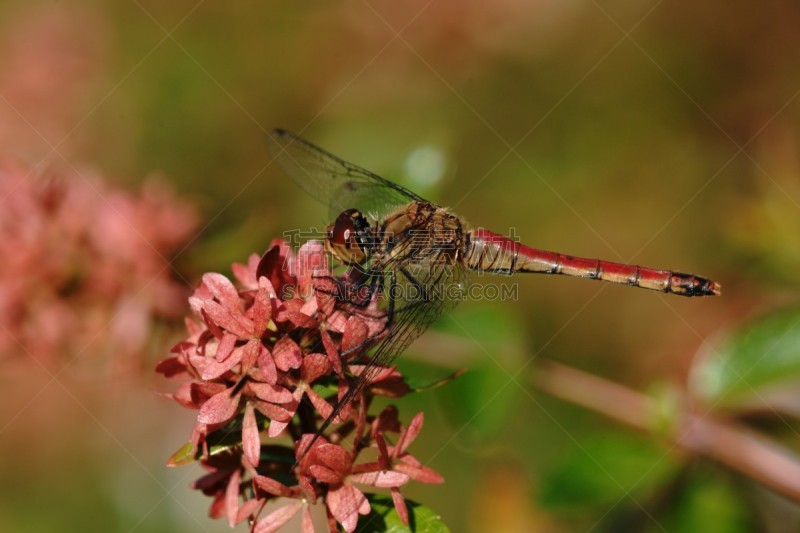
[86, 264]
[264, 362]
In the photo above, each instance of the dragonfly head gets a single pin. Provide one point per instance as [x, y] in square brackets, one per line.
[348, 237]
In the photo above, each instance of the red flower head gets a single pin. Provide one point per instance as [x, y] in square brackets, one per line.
[264, 367]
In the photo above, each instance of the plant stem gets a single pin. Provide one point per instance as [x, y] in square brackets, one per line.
[726, 442]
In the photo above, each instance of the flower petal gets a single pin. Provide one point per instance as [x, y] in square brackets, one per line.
[276, 427]
[271, 393]
[272, 486]
[250, 440]
[331, 351]
[193, 327]
[211, 369]
[209, 481]
[217, 508]
[307, 488]
[184, 396]
[171, 367]
[219, 408]
[213, 327]
[419, 473]
[355, 334]
[277, 518]
[319, 403]
[314, 366]
[232, 497]
[287, 354]
[386, 421]
[223, 290]
[201, 392]
[281, 413]
[400, 505]
[246, 274]
[345, 504]
[336, 321]
[325, 474]
[224, 318]
[250, 353]
[308, 524]
[277, 265]
[247, 509]
[381, 478]
[267, 371]
[225, 347]
[300, 319]
[310, 307]
[262, 307]
[383, 451]
[196, 304]
[325, 291]
[334, 457]
[302, 451]
[409, 434]
[390, 383]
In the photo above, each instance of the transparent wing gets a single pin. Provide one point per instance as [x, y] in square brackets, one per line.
[422, 291]
[335, 182]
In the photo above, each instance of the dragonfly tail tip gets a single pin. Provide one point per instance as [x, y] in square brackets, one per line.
[711, 288]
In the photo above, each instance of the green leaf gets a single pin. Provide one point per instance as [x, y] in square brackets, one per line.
[383, 517]
[326, 389]
[708, 503]
[182, 456]
[760, 357]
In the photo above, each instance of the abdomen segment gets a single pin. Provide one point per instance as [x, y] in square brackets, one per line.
[490, 252]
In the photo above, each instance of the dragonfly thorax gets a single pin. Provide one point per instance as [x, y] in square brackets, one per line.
[348, 237]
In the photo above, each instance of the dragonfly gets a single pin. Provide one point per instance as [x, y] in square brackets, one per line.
[418, 254]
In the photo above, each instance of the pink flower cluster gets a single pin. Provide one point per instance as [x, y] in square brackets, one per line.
[264, 369]
[76, 251]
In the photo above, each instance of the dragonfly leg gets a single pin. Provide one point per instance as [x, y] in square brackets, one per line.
[377, 284]
[357, 292]
[423, 290]
[419, 287]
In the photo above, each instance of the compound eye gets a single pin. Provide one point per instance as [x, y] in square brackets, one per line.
[344, 231]
[344, 237]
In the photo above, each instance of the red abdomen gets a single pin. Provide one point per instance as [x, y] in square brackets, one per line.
[489, 252]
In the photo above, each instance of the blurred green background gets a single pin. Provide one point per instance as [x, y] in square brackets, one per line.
[660, 133]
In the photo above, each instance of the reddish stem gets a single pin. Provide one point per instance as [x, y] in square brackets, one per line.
[726, 442]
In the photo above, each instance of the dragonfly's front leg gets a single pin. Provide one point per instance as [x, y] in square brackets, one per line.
[377, 285]
[358, 291]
